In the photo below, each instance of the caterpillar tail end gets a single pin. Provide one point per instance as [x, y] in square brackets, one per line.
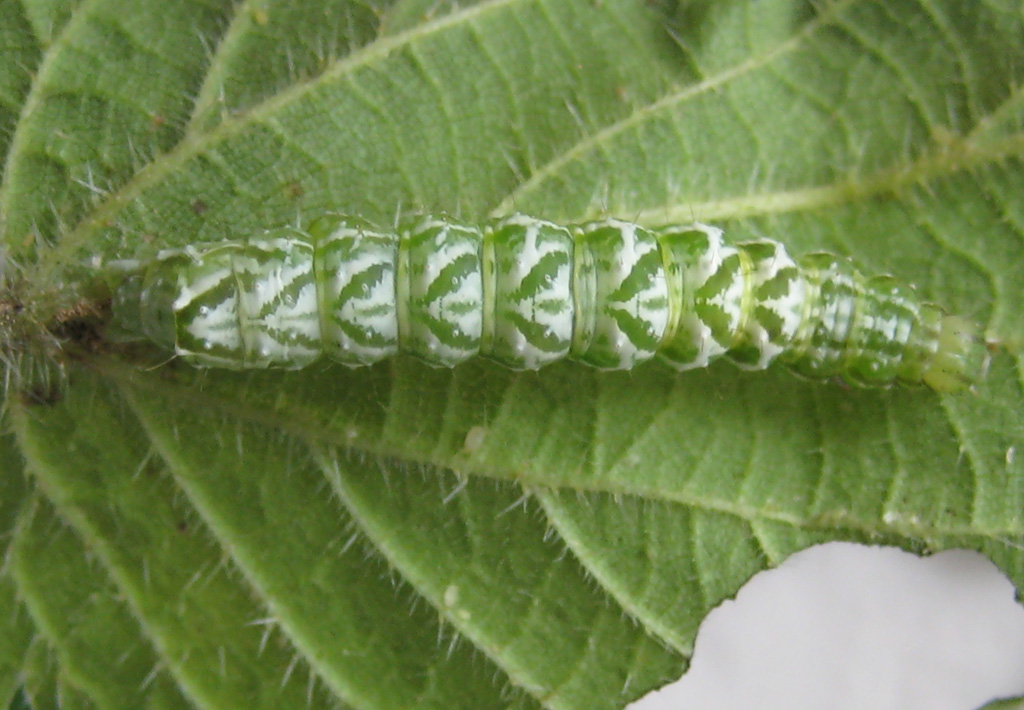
[962, 357]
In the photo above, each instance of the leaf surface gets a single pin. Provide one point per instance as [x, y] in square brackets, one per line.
[402, 536]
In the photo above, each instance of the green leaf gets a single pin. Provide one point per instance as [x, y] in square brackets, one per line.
[95, 639]
[1005, 704]
[16, 630]
[40, 679]
[401, 536]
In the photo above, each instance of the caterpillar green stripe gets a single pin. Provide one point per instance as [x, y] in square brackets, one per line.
[527, 292]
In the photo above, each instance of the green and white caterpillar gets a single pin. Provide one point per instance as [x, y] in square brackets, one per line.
[526, 292]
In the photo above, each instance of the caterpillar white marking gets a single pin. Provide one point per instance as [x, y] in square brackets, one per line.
[527, 292]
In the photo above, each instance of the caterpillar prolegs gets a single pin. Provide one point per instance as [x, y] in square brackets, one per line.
[526, 292]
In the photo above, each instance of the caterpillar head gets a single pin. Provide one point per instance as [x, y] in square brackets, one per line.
[962, 357]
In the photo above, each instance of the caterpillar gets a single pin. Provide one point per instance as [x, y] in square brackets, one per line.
[526, 292]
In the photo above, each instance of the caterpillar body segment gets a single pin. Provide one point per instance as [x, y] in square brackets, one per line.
[527, 292]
